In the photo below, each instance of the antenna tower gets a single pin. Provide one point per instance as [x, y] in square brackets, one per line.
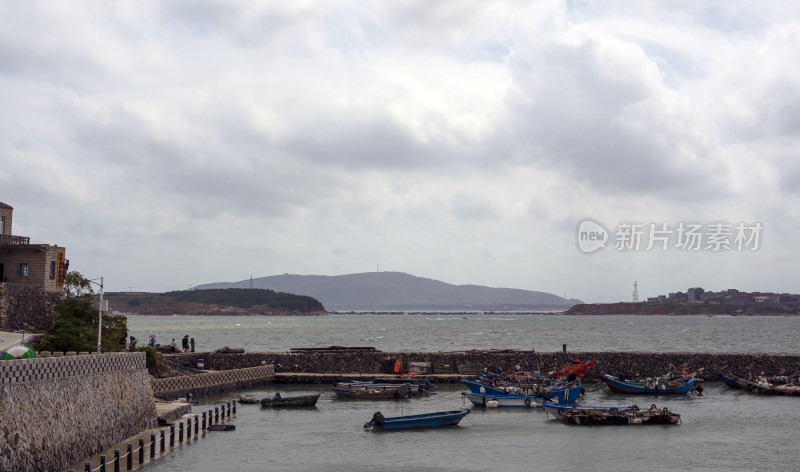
[635, 292]
[251, 281]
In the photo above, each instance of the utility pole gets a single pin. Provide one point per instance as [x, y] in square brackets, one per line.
[102, 308]
[100, 320]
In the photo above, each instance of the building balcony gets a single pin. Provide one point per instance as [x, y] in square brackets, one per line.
[6, 240]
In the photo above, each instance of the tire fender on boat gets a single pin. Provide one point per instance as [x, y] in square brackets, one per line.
[527, 402]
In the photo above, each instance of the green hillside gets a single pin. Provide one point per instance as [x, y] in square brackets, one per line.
[232, 301]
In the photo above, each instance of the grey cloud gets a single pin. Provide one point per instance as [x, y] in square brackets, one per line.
[600, 125]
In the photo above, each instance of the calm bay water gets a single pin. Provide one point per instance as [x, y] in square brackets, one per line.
[721, 430]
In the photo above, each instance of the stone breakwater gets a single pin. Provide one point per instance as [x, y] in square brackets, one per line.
[58, 410]
[645, 364]
[209, 383]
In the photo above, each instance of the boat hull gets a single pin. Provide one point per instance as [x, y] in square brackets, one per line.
[603, 416]
[370, 392]
[560, 394]
[423, 421]
[298, 401]
[656, 387]
[503, 401]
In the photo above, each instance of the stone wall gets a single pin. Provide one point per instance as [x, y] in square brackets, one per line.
[56, 411]
[645, 364]
[213, 382]
[28, 308]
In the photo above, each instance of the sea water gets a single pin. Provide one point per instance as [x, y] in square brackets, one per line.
[721, 429]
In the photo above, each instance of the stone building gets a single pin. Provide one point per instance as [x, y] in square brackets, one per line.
[31, 278]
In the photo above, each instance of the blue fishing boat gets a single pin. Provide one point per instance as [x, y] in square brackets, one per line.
[562, 393]
[423, 421]
[737, 383]
[656, 386]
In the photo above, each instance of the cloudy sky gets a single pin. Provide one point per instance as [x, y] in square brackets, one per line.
[170, 144]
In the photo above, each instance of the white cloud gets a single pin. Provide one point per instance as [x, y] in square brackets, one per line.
[186, 142]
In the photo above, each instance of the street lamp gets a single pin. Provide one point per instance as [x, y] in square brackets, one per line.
[100, 316]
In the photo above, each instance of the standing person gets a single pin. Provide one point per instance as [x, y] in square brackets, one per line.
[172, 345]
[185, 343]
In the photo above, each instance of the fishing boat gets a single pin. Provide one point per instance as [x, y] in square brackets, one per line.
[426, 385]
[491, 400]
[655, 386]
[738, 383]
[616, 416]
[423, 421]
[300, 400]
[371, 391]
[562, 393]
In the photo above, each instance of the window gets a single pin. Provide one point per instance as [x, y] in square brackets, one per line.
[52, 270]
[2, 223]
[23, 270]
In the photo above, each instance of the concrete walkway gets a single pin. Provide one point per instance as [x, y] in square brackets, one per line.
[8, 339]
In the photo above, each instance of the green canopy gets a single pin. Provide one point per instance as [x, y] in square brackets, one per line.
[19, 352]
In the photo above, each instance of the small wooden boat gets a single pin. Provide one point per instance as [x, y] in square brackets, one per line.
[243, 399]
[656, 386]
[368, 391]
[300, 400]
[615, 416]
[791, 390]
[423, 385]
[491, 400]
[423, 421]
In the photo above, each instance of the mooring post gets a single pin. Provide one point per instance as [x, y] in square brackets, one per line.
[564, 347]
[162, 442]
[103, 463]
[204, 421]
[129, 457]
[196, 428]
[191, 341]
[141, 451]
[116, 460]
[216, 414]
[222, 413]
[87, 467]
[234, 407]
[172, 435]
[180, 432]
[152, 446]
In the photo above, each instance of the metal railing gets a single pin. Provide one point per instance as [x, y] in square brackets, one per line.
[6, 240]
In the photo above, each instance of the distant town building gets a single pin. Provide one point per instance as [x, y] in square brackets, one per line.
[755, 302]
[31, 277]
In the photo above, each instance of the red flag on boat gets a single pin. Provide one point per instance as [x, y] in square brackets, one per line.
[578, 369]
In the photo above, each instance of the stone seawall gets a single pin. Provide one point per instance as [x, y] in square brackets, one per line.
[213, 382]
[28, 308]
[646, 364]
[56, 411]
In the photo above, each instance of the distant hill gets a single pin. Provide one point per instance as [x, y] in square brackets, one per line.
[393, 291]
[214, 302]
